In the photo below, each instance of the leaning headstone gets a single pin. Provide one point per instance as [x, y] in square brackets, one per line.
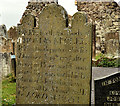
[54, 61]
[107, 90]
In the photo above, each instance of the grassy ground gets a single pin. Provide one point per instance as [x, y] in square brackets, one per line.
[8, 91]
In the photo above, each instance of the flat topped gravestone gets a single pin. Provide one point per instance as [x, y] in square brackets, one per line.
[54, 61]
[107, 91]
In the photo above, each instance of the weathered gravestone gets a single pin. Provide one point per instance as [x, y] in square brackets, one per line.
[112, 43]
[107, 91]
[54, 61]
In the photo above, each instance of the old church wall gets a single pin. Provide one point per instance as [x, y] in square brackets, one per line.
[106, 18]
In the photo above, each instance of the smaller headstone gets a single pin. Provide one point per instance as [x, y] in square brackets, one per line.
[107, 90]
[112, 43]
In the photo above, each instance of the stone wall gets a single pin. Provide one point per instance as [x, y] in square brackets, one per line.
[3, 31]
[55, 1]
[12, 33]
[5, 60]
[105, 17]
[5, 45]
[112, 44]
[35, 8]
[5, 42]
[2, 42]
[6, 48]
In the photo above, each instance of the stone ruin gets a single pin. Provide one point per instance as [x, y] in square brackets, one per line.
[3, 31]
[53, 60]
[5, 49]
[35, 7]
[106, 19]
[43, 1]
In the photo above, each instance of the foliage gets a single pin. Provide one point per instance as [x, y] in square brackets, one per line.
[99, 56]
[8, 91]
[103, 61]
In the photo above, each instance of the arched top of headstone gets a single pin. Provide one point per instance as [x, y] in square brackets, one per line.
[53, 16]
[28, 21]
[82, 20]
[79, 18]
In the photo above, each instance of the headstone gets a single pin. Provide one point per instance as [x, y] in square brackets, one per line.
[5, 64]
[112, 43]
[54, 61]
[107, 90]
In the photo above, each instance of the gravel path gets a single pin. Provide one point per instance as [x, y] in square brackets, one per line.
[100, 72]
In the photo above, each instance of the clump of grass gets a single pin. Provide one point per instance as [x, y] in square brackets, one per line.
[8, 91]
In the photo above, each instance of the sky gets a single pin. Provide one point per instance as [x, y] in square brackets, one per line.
[11, 10]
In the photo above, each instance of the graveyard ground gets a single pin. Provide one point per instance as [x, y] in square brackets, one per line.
[9, 87]
[8, 91]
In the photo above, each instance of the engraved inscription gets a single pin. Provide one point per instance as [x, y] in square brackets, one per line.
[107, 90]
[54, 64]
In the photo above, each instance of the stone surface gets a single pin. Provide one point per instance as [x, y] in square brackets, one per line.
[12, 33]
[3, 31]
[107, 90]
[5, 42]
[35, 8]
[98, 73]
[50, 1]
[5, 45]
[112, 44]
[5, 60]
[54, 61]
[105, 16]
[5, 49]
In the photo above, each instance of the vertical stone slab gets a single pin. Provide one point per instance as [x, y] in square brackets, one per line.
[107, 90]
[82, 32]
[24, 59]
[54, 61]
[112, 44]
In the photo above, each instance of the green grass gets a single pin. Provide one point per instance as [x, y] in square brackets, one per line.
[8, 91]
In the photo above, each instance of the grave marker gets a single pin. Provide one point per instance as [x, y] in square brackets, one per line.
[107, 90]
[54, 61]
